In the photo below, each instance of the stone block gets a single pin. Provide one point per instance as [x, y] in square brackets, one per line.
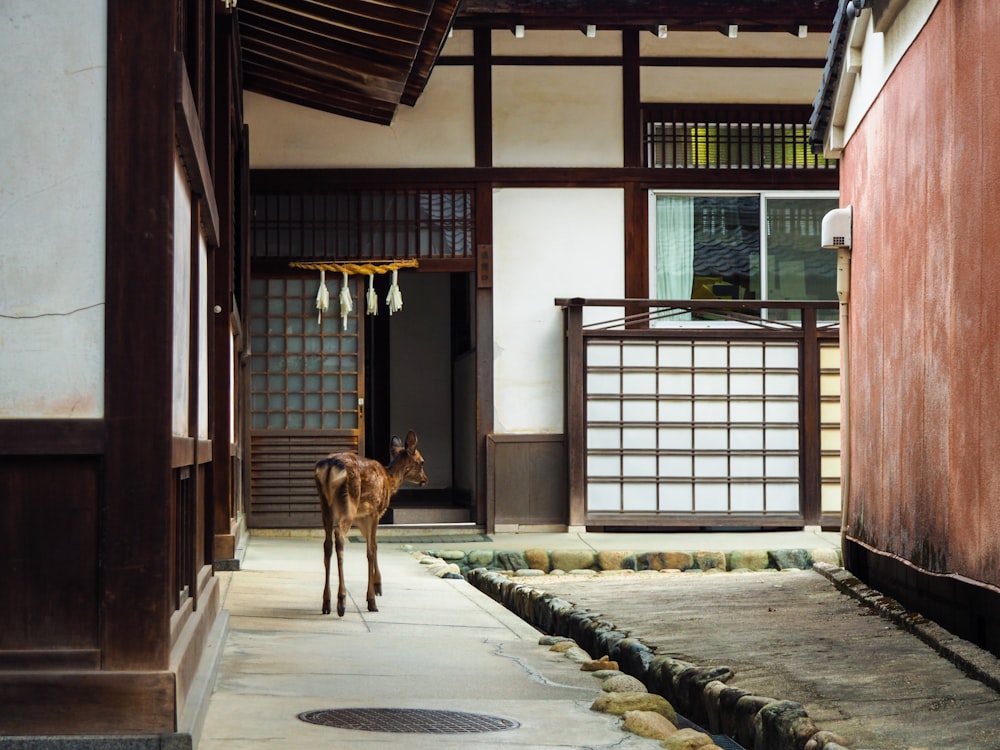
[480, 558]
[710, 560]
[689, 687]
[511, 560]
[623, 683]
[790, 559]
[572, 559]
[538, 559]
[826, 555]
[603, 674]
[665, 561]
[561, 647]
[577, 654]
[615, 560]
[688, 739]
[596, 665]
[782, 725]
[750, 559]
[648, 724]
[450, 554]
[741, 721]
[619, 703]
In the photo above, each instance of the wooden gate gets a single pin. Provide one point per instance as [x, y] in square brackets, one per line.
[729, 419]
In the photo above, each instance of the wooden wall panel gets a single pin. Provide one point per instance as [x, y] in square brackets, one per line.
[84, 703]
[282, 483]
[48, 552]
[529, 479]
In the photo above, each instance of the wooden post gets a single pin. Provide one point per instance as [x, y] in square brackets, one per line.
[575, 400]
[810, 492]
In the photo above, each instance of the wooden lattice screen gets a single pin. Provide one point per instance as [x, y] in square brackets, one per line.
[369, 224]
[702, 136]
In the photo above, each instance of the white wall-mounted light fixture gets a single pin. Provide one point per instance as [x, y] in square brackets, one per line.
[803, 31]
[836, 229]
[661, 31]
[590, 30]
[733, 30]
[519, 31]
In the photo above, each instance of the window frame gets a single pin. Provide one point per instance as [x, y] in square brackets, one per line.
[763, 196]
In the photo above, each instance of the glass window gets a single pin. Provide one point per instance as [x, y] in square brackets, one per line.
[746, 246]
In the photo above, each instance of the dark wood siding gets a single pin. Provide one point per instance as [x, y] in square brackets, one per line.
[284, 491]
[49, 503]
[528, 478]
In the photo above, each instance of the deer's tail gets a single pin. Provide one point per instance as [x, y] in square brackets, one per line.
[330, 474]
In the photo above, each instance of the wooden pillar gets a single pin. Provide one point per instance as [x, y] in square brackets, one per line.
[810, 492]
[575, 404]
[137, 548]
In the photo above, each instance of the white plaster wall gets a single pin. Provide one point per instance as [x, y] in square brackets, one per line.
[729, 85]
[203, 338]
[746, 44]
[557, 116]
[556, 43]
[547, 244]
[436, 132]
[53, 68]
[459, 44]
[182, 302]
[880, 54]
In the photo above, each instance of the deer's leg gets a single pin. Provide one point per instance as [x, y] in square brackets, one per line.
[327, 551]
[374, 576]
[327, 547]
[339, 534]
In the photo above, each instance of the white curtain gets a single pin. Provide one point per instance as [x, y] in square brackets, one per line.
[674, 248]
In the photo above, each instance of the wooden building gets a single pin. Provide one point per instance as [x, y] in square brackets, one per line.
[166, 381]
[907, 107]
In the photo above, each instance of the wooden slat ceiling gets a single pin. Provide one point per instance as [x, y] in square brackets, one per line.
[357, 58]
[363, 58]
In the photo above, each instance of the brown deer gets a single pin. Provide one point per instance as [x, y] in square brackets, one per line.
[355, 491]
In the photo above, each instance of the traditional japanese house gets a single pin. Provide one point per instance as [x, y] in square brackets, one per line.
[532, 176]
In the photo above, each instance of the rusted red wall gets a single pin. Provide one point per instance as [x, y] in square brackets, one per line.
[923, 176]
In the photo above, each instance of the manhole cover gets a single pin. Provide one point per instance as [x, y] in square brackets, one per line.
[412, 720]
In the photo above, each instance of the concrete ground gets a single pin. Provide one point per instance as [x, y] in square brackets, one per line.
[441, 644]
[434, 644]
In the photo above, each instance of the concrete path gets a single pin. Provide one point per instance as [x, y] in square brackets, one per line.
[441, 644]
[435, 644]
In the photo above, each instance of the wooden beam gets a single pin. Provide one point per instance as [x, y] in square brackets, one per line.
[136, 550]
[42, 437]
[194, 155]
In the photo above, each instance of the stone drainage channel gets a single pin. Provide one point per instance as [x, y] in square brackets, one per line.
[734, 718]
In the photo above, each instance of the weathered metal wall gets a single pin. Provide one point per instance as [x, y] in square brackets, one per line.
[923, 173]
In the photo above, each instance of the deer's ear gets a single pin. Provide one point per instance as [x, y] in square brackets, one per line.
[411, 441]
[396, 446]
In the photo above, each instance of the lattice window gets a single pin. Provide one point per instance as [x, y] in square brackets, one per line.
[686, 136]
[364, 224]
[304, 375]
[692, 427]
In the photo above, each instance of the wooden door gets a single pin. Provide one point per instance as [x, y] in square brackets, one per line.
[306, 392]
